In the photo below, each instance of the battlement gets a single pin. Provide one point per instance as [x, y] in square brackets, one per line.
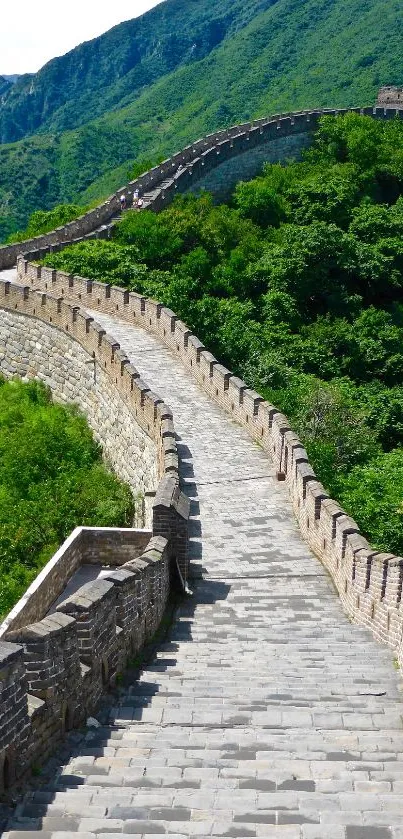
[182, 172]
[369, 582]
[53, 671]
[55, 666]
[55, 662]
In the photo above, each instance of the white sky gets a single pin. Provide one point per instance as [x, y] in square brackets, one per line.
[34, 31]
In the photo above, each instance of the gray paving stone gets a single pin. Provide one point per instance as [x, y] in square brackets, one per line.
[265, 712]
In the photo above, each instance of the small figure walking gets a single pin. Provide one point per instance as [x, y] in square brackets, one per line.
[122, 202]
[135, 198]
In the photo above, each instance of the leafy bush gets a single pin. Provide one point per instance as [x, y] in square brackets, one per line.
[42, 221]
[298, 287]
[374, 491]
[51, 480]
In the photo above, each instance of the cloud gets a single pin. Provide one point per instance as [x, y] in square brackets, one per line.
[34, 31]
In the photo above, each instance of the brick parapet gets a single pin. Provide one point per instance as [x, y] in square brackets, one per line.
[118, 615]
[56, 673]
[111, 547]
[332, 535]
[179, 173]
[53, 672]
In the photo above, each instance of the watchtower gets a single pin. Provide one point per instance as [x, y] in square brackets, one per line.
[390, 96]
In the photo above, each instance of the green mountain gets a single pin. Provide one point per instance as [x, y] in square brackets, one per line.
[185, 68]
[112, 70]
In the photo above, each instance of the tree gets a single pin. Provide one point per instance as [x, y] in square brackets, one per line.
[257, 201]
[373, 494]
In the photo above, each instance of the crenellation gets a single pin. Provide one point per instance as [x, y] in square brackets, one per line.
[114, 616]
[94, 610]
[50, 656]
[111, 416]
[53, 678]
[127, 588]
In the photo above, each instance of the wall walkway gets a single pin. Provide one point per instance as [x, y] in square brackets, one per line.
[266, 712]
[214, 162]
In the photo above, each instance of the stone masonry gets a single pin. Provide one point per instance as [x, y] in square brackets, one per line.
[31, 349]
[266, 712]
[390, 97]
[64, 654]
[247, 146]
[369, 583]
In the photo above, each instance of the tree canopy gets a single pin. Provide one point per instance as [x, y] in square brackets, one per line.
[296, 285]
[52, 479]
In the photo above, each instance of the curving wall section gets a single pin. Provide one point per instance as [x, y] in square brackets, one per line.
[369, 582]
[31, 348]
[275, 137]
[54, 670]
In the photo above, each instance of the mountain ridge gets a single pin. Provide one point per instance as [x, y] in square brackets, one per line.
[119, 64]
[289, 55]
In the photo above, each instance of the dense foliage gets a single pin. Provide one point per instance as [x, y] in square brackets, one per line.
[298, 287]
[151, 85]
[51, 479]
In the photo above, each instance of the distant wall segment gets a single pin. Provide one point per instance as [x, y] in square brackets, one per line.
[192, 168]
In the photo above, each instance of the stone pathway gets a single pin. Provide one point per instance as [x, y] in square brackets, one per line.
[266, 713]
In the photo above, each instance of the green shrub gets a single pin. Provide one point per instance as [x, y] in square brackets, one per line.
[52, 479]
[298, 287]
[42, 221]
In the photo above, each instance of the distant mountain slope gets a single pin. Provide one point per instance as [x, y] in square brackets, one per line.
[5, 84]
[268, 57]
[114, 68]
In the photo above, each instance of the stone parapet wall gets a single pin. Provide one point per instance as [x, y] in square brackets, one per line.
[30, 348]
[181, 172]
[129, 405]
[109, 546]
[54, 667]
[369, 582]
[53, 671]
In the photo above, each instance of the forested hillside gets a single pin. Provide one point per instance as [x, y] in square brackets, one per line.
[112, 70]
[150, 85]
[298, 287]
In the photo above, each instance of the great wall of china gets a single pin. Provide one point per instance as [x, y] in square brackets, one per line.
[308, 751]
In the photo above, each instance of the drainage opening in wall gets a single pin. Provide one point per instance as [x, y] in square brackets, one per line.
[104, 673]
[67, 718]
[6, 774]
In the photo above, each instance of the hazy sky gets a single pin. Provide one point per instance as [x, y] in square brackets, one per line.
[34, 31]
